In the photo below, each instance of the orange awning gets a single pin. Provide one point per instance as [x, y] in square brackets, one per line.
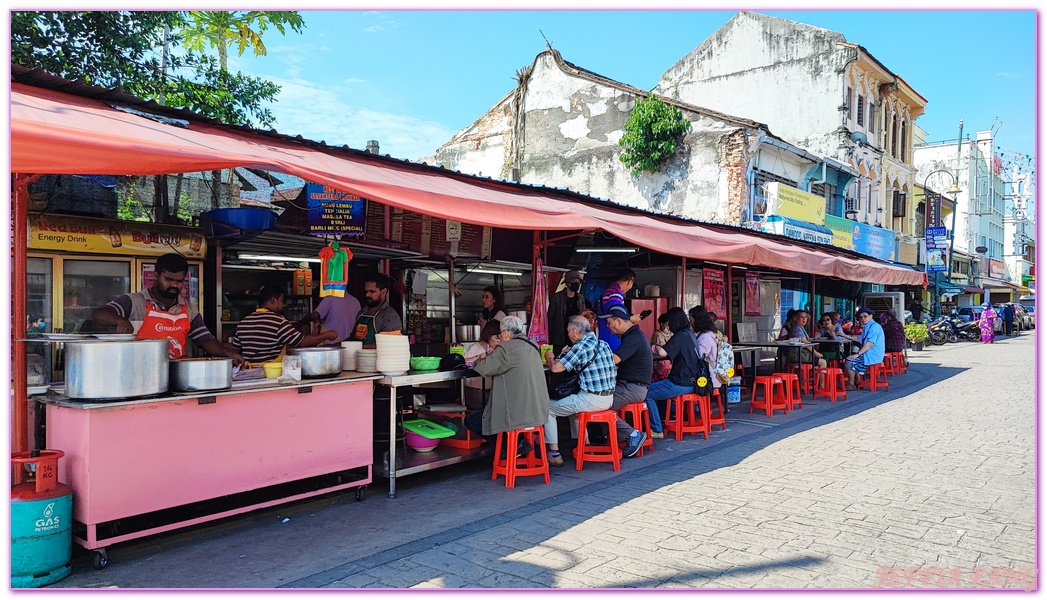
[54, 132]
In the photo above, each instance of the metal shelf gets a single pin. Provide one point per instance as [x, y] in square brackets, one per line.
[416, 462]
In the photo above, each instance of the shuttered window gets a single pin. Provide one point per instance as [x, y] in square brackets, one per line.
[899, 205]
[861, 111]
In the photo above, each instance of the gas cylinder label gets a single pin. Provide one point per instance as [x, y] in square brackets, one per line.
[49, 521]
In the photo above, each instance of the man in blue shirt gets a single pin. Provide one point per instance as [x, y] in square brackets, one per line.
[597, 378]
[871, 350]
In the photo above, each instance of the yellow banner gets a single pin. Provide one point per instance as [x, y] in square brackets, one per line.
[101, 236]
[795, 204]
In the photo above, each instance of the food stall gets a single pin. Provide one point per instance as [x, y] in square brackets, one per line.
[201, 456]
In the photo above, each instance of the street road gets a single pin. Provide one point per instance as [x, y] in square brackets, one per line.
[929, 485]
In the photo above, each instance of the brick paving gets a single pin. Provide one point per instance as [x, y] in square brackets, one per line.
[929, 485]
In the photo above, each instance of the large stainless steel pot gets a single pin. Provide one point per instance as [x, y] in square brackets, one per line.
[467, 333]
[201, 374]
[104, 370]
[320, 362]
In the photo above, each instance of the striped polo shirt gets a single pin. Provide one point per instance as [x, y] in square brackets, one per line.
[262, 334]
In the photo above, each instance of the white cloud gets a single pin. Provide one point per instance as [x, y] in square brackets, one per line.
[320, 113]
[1011, 75]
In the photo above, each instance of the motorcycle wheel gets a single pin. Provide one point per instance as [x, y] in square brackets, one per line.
[936, 338]
[952, 339]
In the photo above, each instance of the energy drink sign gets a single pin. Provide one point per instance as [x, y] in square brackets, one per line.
[100, 236]
[866, 239]
[332, 212]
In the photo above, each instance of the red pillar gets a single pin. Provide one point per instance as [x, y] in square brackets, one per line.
[20, 414]
[730, 293]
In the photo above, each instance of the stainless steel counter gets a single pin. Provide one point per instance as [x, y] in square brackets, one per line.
[55, 397]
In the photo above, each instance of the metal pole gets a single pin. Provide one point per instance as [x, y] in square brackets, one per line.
[955, 206]
[683, 281]
[450, 297]
[730, 294]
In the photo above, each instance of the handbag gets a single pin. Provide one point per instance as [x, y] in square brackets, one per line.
[569, 384]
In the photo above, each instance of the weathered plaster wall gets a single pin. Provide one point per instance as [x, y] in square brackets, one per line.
[785, 74]
[568, 135]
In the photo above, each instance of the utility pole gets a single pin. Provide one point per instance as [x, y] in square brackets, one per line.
[955, 206]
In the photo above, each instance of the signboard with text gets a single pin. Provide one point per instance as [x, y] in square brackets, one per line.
[791, 202]
[332, 212]
[102, 236]
[937, 241]
[866, 239]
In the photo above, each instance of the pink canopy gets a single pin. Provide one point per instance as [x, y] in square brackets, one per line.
[53, 132]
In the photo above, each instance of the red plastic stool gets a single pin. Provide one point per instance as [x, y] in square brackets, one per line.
[720, 418]
[888, 365]
[830, 383]
[535, 463]
[898, 364]
[682, 419]
[608, 453]
[637, 413]
[770, 396]
[793, 397]
[874, 381]
[803, 372]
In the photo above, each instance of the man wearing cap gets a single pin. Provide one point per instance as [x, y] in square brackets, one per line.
[614, 295]
[871, 351]
[635, 363]
[596, 379]
[565, 304]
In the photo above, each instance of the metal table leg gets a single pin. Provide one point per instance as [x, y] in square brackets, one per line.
[392, 441]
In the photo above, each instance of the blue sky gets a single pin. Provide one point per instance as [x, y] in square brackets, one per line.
[411, 79]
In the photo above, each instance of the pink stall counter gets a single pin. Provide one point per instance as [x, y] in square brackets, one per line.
[141, 467]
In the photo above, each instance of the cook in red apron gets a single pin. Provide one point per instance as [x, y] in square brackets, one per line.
[159, 325]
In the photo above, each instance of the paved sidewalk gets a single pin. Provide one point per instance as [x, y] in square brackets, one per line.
[928, 485]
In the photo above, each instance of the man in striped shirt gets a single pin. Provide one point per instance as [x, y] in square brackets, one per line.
[262, 335]
[614, 295]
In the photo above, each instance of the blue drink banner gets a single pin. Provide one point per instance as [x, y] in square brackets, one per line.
[866, 239]
[332, 212]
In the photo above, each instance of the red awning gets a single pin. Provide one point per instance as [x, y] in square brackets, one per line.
[54, 132]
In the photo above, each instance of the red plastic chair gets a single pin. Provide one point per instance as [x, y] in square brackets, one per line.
[803, 372]
[535, 463]
[830, 383]
[874, 378]
[637, 414]
[721, 418]
[606, 453]
[684, 415]
[793, 398]
[773, 394]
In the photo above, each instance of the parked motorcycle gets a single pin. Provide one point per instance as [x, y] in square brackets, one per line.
[969, 330]
[941, 331]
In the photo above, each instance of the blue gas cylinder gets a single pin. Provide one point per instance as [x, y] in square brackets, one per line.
[734, 390]
[41, 522]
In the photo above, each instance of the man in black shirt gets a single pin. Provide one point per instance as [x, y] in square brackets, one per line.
[635, 362]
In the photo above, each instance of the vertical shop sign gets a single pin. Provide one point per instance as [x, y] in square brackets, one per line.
[937, 241]
[714, 298]
[752, 295]
[332, 212]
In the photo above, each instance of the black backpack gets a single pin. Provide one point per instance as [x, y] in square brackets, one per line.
[703, 379]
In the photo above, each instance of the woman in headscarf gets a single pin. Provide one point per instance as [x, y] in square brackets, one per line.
[987, 322]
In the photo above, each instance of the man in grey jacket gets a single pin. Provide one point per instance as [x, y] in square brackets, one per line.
[519, 397]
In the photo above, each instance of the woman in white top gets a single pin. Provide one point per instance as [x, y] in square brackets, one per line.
[706, 331]
[474, 386]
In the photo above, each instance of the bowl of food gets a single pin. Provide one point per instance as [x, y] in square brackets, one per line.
[425, 363]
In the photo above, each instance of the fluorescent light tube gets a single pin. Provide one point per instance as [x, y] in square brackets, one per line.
[494, 271]
[280, 258]
[608, 250]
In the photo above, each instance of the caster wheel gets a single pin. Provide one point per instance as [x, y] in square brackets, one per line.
[361, 492]
[100, 559]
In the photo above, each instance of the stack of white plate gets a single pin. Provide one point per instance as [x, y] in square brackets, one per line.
[366, 361]
[394, 354]
[349, 350]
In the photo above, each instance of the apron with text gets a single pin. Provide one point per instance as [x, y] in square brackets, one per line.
[160, 325]
[365, 329]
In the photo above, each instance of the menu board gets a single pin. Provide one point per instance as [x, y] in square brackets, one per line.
[714, 295]
[334, 212]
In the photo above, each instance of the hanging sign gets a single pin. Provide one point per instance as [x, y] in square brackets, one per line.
[102, 236]
[937, 241]
[791, 202]
[332, 212]
[752, 295]
[714, 298]
[866, 239]
[454, 231]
